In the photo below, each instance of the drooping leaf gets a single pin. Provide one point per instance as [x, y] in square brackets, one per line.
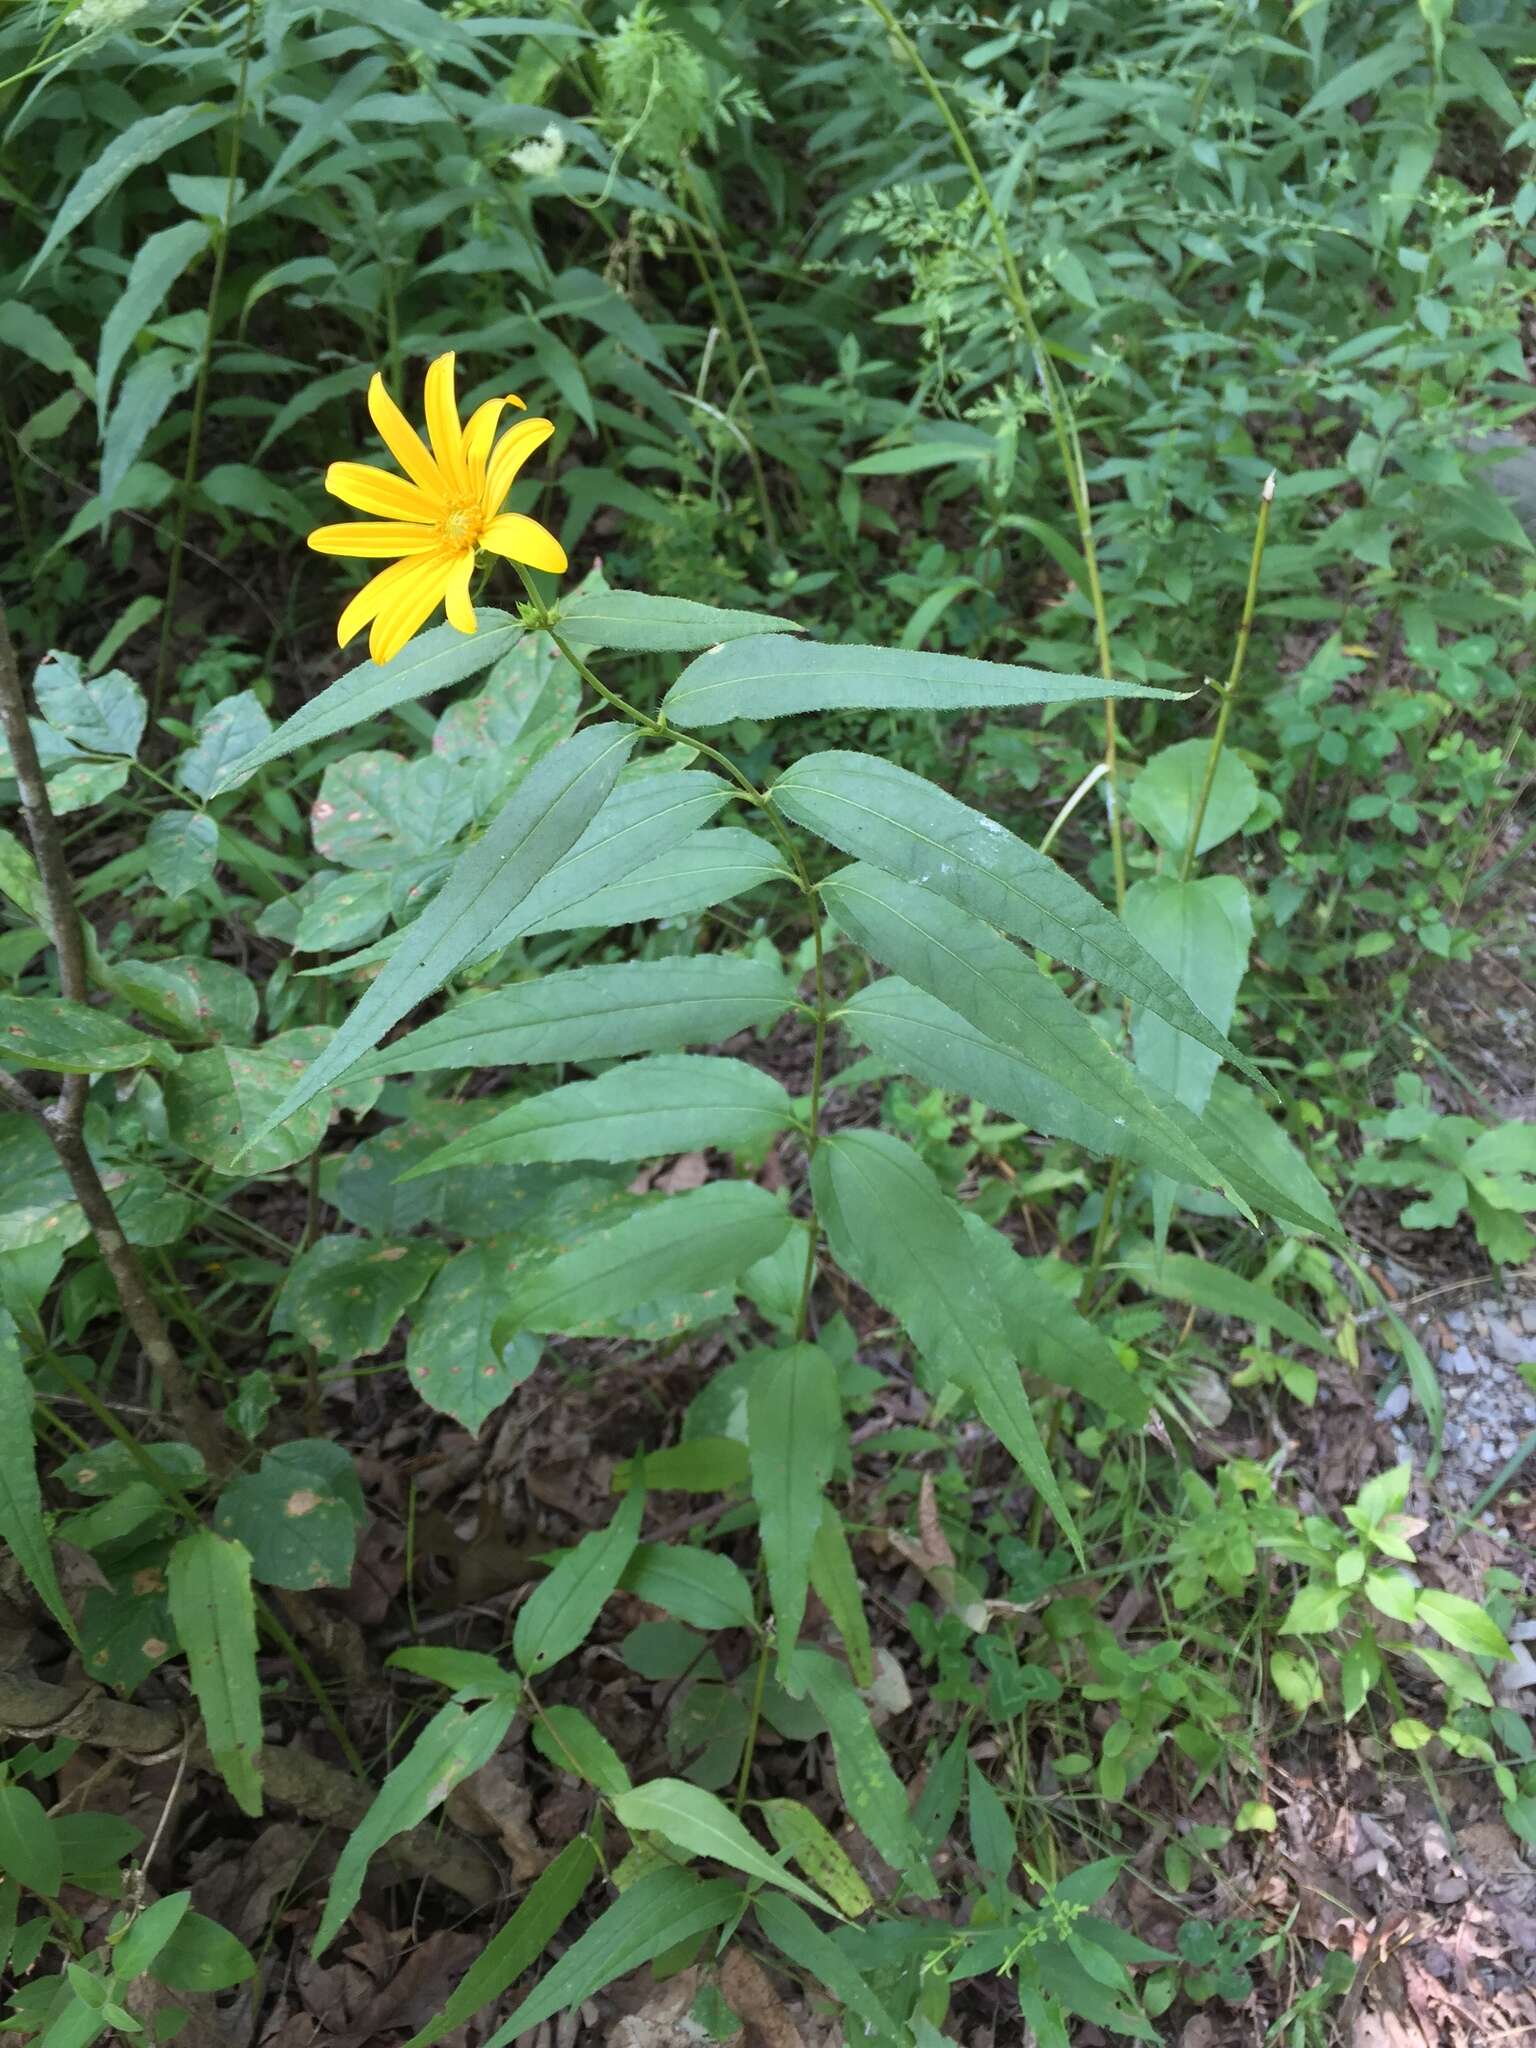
[1200, 931]
[643, 1109]
[1164, 796]
[821, 1856]
[593, 1013]
[517, 1945]
[795, 1935]
[157, 264]
[772, 675]
[891, 1227]
[221, 1104]
[794, 1427]
[225, 734]
[872, 1792]
[1047, 1335]
[838, 1589]
[634, 621]
[657, 1912]
[542, 820]
[679, 1246]
[29, 1846]
[104, 715]
[432, 661]
[895, 820]
[707, 868]
[699, 1824]
[1204, 1284]
[559, 1613]
[454, 1743]
[452, 1358]
[696, 1586]
[181, 848]
[141, 142]
[567, 1739]
[973, 969]
[214, 1611]
[21, 1501]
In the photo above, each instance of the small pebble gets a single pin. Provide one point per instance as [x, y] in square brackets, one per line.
[1528, 1318]
[1461, 1360]
[1396, 1404]
[1458, 1320]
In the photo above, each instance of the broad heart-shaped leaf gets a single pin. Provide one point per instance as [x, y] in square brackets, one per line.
[432, 661]
[594, 1013]
[517, 1945]
[706, 869]
[872, 1792]
[59, 1037]
[794, 1428]
[1047, 1335]
[215, 1616]
[890, 1226]
[656, 1913]
[772, 675]
[541, 820]
[298, 1515]
[897, 821]
[634, 621]
[105, 716]
[558, 1615]
[345, 1294]
[455, 1742]
[973, 969]
[204, 999]
[451, 1358]
[221, 1104]
[181, 848]
[530, 698]
[21, 1501]
[1163, 797]
[29, 1847]
[699, 1824]
[680, 1245]
[643, 1109]
[378, 810]
[1200, 931]
[226, 733]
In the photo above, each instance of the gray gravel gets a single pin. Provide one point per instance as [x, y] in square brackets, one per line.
[1478, 1353]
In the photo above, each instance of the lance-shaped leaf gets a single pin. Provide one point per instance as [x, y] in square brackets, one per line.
[772, 675]
[894, 1230]
[21, 1502]
[794, 1426]
[540, 821]
[432, 661]
[455, 1742]
[975, 970]
[706, 869]
[1048, 1336]
[872, 1792]
[557, 1616]
[699, 1824]
[899, 822]
[683, 1245]
[644, 1109]
[634, 621]
[215, 1616]
[595, 1013]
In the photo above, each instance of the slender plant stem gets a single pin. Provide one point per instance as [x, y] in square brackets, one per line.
[204, 366]
[64, 1119]
[754, 1716]
[1063, 426]
[1234, 677]
[657, 729]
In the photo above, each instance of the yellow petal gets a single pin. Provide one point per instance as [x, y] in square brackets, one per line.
[409, 604]
[480, 433]
[443, 429]
[375, 490]
[402, 439]
[374, 537]
[524, 540]
[461, 612]
[367, 601]
[509, 455]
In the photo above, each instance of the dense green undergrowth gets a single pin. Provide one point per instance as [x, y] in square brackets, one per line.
[880, 1004]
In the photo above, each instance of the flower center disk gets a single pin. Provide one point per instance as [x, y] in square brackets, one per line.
[462, 525]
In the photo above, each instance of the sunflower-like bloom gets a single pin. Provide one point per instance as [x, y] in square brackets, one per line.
[438, 516]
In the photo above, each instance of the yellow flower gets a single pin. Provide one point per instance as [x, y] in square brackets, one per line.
[438, 516]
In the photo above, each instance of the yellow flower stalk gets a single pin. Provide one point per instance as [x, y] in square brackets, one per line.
[436, 518]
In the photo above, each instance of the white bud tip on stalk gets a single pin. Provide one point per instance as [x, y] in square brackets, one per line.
[1268, 492]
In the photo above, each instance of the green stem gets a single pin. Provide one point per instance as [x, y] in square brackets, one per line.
[205, 365]
[657, 729]
[1234, 677]
[1063, 426]
[754, 1716]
